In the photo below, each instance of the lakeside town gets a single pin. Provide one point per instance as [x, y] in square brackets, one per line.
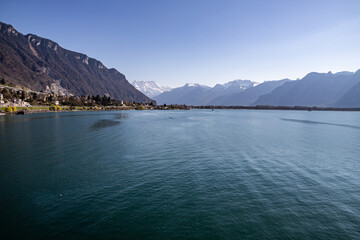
[19, 100]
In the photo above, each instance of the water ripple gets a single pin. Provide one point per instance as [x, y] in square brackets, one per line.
[104, 123]
[321, 123]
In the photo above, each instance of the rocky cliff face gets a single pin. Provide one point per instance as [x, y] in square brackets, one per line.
[41, 64]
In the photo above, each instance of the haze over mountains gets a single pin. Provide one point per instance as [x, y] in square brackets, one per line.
[237, 92]
[351, 97]
[42, 65]
[315, 89]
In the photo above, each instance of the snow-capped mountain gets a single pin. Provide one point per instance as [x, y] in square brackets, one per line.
[150, 88]
[239, 84]
[194, 85]
[249, 95]
[196, 94]
[232, 87]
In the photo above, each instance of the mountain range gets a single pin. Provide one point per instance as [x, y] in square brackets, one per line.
[249, 95]
[150, 88]
[315, 89]
[341, 89]
[196, 94]
[42, 65]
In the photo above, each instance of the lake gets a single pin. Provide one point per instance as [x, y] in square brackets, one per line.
[198, 174]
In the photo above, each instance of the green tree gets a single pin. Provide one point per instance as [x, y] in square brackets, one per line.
[53, 108]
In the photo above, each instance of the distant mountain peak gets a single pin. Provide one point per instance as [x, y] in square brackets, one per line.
[196, 94]
[192, 85]
[150, 88]
[241, 84]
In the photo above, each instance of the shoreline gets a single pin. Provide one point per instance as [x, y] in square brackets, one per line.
[31, 111]
[283, 108]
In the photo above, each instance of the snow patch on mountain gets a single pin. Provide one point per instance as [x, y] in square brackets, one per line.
[150, 88]
[240, 84]
[194, 85]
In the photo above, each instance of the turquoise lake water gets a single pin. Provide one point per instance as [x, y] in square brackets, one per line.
[198, 174]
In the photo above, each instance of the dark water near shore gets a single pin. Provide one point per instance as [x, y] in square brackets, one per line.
[226, 174]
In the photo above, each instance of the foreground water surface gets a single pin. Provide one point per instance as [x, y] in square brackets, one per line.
[198, 174]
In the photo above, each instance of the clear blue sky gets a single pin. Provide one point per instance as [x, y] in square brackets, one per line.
[174, 42]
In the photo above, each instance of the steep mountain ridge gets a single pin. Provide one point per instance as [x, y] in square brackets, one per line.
[41, 64]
